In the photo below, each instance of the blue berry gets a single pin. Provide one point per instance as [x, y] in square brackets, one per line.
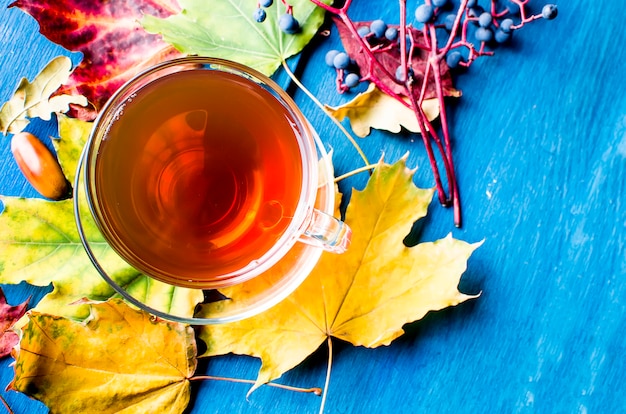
[265, 3]
[401, 73]
[485, 19]
[549, 11]
[453, 58]
[506, 24]
[341, 60]
[288, 24]
[424, 13]
[363, 31]
[449, 21]
[501, 36]
[330, 57]
[483, 34]
[259, 15]
[472, 3]
[391, 33]
[378, 27]
[440, 3]
[351, 80]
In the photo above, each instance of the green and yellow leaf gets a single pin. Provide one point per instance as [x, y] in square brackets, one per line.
[227, 30]
[40, 244]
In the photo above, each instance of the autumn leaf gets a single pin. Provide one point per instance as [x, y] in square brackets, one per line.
[107, 33]
[33, 99]
[73, 135]
[39, 244]
[363, 296]
[228, 30]
[118, 360]
[375, 109]
[8, 316]
[390, 59]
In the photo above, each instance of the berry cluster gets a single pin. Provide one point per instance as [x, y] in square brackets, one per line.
[286, 22]
[411, 61]
[376, 32]
[347, 71]
[492, 27]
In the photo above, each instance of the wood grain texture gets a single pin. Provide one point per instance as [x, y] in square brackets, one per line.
[540, 147]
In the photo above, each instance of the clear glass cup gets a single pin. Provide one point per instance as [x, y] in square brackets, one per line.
[168, 121]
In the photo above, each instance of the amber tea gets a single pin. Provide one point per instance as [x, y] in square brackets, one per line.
[198, 175]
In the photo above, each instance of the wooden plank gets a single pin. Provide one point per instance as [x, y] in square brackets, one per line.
[540, 145]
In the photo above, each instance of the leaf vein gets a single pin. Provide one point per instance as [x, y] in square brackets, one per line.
[366, 252]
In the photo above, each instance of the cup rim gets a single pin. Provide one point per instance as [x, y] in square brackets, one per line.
[306, 142]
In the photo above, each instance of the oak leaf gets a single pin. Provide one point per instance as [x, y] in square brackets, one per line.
[34, 99]
[8, 316]
[39, 244]
[118, 360]
[363, 296]
[375, 109]
[228, 30]
[108, 34]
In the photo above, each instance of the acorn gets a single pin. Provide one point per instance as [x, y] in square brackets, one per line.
[40, 167]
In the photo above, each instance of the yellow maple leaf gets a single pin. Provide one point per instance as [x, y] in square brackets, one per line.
[375, 109]
[363, 296]
[119, 360]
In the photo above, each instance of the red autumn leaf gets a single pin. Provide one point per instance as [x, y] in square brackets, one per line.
[114, 45]
[8, 316]
[388, 54]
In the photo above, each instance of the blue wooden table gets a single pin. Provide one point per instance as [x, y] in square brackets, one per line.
[540, 145]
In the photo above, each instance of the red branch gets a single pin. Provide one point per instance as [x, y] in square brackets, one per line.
[374, 71]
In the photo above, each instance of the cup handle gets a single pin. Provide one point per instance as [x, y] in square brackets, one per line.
[327, 232]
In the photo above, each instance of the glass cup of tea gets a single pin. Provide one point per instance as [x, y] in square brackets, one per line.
[202, 173]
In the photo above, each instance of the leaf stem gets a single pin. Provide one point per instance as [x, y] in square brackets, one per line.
[339, 125]
[328, 370]
[355, 172]
[313, 390]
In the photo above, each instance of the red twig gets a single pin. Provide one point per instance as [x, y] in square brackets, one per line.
[6, 405]
[522, 12]
[374, 71]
